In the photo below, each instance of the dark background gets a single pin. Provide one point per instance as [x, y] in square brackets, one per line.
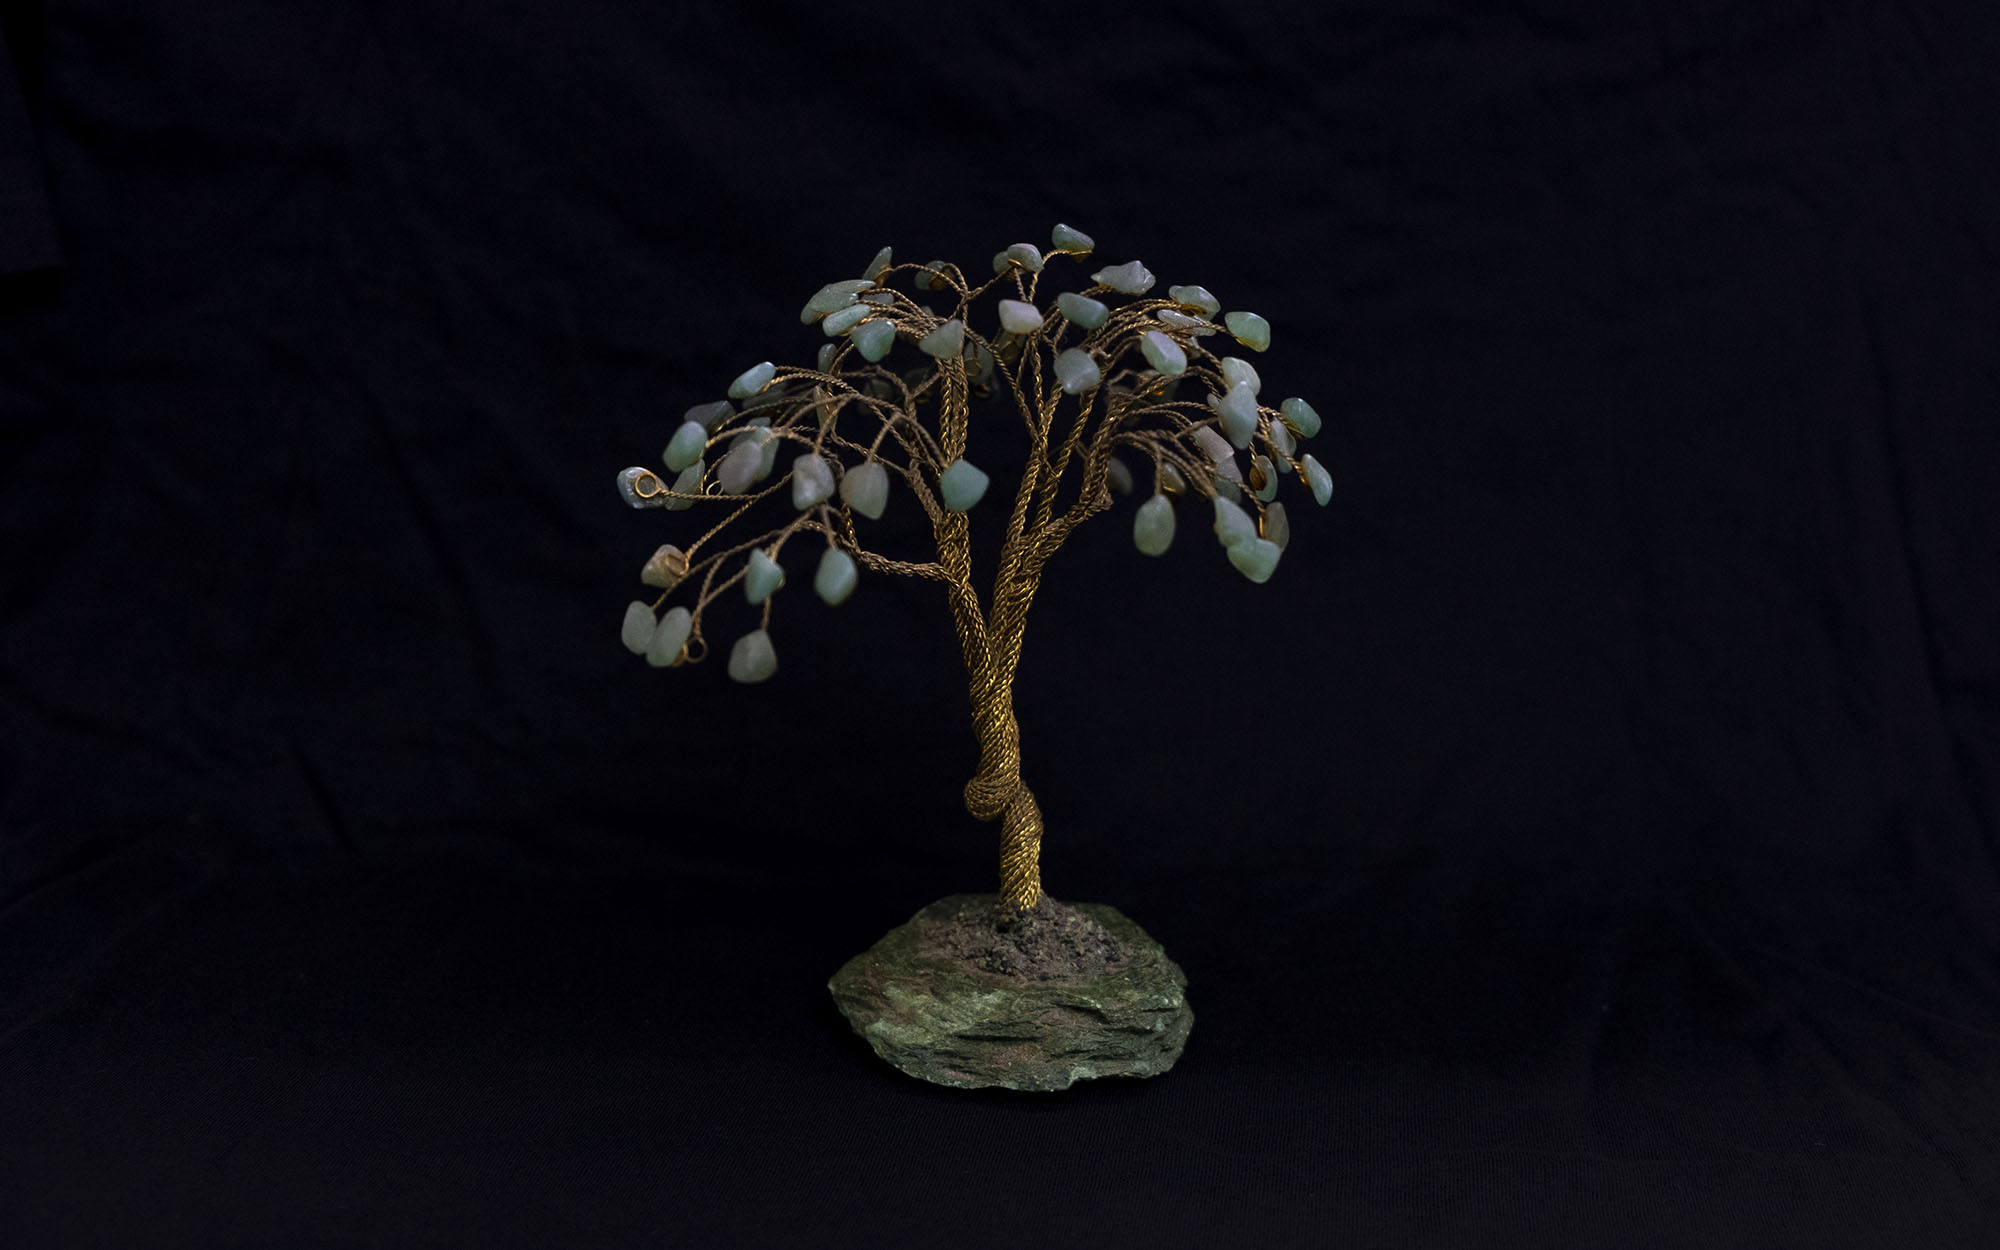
[1588, 838]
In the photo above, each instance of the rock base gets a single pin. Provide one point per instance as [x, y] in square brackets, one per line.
[967, 995]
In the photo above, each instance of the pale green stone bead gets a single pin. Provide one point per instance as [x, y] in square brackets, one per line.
[686, 446]
[1318, 479]
[1301, 415]
[833, 297]
[881, 262]
[1277, 526]
[1118, 477]
[932, 277]
[1255, 559]
[837, 324]
[812, 481]
[978, 361]
[769, 460]
[1069, 239]
[1163, 353]
[1250, 330]
[665, 567]
[834, 580]
[1082, 310]
[1232, 524]
[1001, 262]
[688, 483]
[706, 415]
[1238, 371]
[752, 659]
[762, 577]
[1026, 255]
[1019, 317]
[640, 487]
[1218, 450]
[826, 351]
[638, 628]
[1195, 297]
[1270, 471]
[1153, 526]
[740, 468]
[1279, 435]
[1228, 488]
[865, 488]
[752, 380]
[1181, 321]
[962, 485]
[1238, 409]
[878, 297]
[945, 341]
[1076, 371]
[664, 651]
[1130, 278]
[873, 339]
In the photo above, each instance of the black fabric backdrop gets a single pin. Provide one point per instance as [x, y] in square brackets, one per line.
[1588, 838]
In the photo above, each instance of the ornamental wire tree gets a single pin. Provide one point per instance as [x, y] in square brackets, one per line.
[888, 407]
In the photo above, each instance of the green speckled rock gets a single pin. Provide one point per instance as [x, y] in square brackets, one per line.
[962, 996]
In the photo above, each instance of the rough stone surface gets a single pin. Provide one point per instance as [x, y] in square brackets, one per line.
[963, 995]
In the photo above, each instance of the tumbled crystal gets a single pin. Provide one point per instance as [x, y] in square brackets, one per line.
[640, 487]
[1118, 477]
[812, 481]
[762, 576]
[1181, 321]
[637, 630]
[1076, 371]
[1301, 415]
[1171, 481]
[1232, 524]
[962, 485]
[752, 659]
[664, 650]
[1001, 262]
[833, 297]
[1276, 526]
[1130, 278]
[1255, 558]
[1019, 317]
[978, 361]
[1153, 526]
[665, 567]
[740, 468]
[1236, 370]
[1215, 445]
[1318, 479]
[873, 339]
[752, 380]
[1250, 330]
[1279, 436]
[1082, 310]
[837, 324]
[1264, 478]
[688, 483]
[706, 415]
[1238, 409]
[1163, 353]
[826, 351]
[1227, 487]
[932, 277]
[1069, 239]
[1026, 255]
[945, 341]
[881, 262]
[1195, 297]
[878, 297]
[834, 580]
[686, 446]
[865, 488]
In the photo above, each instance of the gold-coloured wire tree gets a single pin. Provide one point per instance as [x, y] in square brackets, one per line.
[1086, 376]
